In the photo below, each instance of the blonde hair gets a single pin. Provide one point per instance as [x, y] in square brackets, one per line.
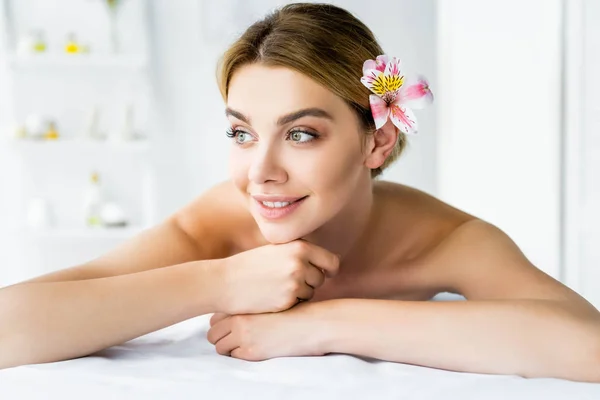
[321, 41]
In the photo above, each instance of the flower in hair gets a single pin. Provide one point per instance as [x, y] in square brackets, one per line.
[393, 97]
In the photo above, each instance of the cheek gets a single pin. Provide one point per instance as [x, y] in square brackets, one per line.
[336, 167]
[238, 169]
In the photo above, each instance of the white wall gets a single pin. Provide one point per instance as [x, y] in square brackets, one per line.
[582, 168]
[500, 117]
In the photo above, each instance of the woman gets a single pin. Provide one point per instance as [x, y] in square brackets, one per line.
[303, 252]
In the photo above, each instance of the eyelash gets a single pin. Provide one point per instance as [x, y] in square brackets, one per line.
[232, 133]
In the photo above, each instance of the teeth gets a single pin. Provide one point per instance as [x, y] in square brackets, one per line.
[277, 204]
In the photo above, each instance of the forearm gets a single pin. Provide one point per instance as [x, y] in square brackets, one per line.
[524, 337]
[45, 322]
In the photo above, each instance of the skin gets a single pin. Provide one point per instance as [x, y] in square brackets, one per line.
[384, 249]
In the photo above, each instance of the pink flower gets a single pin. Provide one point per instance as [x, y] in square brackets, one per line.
[393, 98]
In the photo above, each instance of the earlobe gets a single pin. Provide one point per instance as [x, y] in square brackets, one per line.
[383, 143]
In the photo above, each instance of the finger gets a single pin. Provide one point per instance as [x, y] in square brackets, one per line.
[305, 292]
[314, 276]
[226, 345]
[323, 259]
[218, 331]
[237, 353]
[217, 317]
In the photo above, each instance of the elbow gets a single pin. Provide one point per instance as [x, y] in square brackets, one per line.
[588, 370]
[586, 366]
[570, 351]
[591, 369]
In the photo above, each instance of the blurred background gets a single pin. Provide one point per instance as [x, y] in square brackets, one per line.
[111, 120]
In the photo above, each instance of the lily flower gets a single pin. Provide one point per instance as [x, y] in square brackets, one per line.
[393, 97]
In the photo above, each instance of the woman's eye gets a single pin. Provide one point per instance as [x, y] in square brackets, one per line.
[243, 137]
[301, 137]
[239, 136]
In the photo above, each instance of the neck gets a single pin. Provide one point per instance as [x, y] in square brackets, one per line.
[340, 234]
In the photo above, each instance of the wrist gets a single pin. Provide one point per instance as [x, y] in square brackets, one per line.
[328, 317]
[208, 279]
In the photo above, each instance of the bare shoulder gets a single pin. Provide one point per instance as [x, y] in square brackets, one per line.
[461, 253]
[482, 262]
[420, 222]
[412, 200]
[428, 219]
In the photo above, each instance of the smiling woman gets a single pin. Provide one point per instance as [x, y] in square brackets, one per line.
[317, 112]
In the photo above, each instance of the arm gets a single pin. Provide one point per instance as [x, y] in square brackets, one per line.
[531, 338]
[45, 322]
[518, 320]
[152, 281]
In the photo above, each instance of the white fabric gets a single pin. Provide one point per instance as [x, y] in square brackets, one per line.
[178, 363]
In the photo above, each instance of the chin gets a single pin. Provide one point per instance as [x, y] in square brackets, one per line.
[279, 234]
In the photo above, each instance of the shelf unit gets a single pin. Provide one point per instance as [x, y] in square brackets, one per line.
[37, 61]
[71, 148]
[81, 234]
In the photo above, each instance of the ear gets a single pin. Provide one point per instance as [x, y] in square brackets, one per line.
[381, 145]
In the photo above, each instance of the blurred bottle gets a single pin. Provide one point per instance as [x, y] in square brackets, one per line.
[18, 131]
[91, 130]
[36, 126]
[72, 46]
[31, 43]
[93, 202]
[51, 133]
[127, 129]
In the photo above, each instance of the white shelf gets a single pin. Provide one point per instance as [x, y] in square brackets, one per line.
[79, 145]
[82, 233]
[46, 61]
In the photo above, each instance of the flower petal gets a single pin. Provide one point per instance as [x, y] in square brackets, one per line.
[393, 67]
[380, 110]
[416, 94]
[393, 75]
[369, 65]
[404, 119]
[381, 62]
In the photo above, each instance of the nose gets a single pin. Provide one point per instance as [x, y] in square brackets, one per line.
[265, 166]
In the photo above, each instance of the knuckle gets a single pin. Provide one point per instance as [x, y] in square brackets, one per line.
[293, 288]
[294, 268]
[297, 272]
[299, 247]
[251, 354]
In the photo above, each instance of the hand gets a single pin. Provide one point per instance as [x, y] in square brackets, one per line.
[274, 278]
[257, 337]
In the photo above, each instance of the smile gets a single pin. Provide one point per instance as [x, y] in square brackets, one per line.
[278, 209]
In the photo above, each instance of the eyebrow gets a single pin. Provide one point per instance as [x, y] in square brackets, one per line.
[286, 119]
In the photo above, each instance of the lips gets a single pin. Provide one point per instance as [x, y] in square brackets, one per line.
[280, 199]
[280, 212]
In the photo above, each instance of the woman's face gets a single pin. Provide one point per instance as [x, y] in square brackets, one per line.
[296, 151]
